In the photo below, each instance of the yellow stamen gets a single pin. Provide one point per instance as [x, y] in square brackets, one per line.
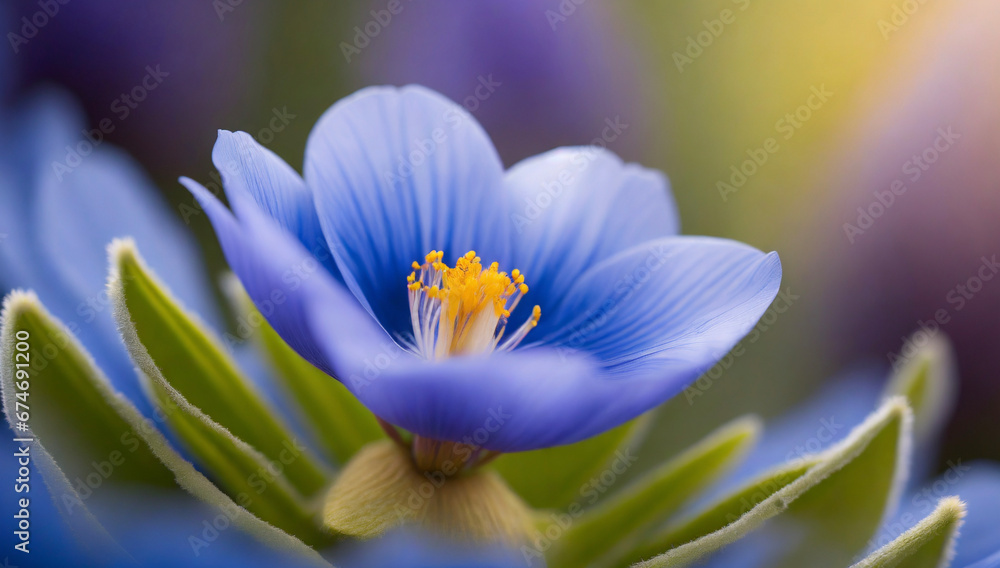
[464, 309]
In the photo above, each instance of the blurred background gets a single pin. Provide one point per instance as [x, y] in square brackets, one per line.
[860, 139]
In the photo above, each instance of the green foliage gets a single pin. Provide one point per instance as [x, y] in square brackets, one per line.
[340, 421]
[552, 478]
[652, 498]
[928, 544]
[78, 421]
[836, 504]
[209, 404]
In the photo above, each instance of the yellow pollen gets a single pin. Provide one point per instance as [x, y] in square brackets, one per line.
[464, 309]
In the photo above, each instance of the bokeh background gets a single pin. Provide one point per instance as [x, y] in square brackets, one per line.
[881, 189]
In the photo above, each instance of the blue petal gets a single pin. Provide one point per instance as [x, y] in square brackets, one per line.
[574, 207]
[397, 173]
[32, 138]
[991, 561]
[515, 401]
[65, 207]
[407, 548]
[105, 197]
[258, 173]
[559, 396]
[285, 282]
[670, 307]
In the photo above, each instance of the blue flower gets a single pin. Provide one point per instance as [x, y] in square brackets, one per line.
[397, 262]
[54, 234]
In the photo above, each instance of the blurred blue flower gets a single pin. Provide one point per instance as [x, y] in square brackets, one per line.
[56, 224]
[400, 183]
[54, 237]
[534, 77]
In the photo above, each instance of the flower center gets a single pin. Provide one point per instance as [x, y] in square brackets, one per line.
[464, 309]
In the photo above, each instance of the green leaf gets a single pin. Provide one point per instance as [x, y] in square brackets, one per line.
[928, 380]
[552, 478]
[249, 453]
[651, 499]
[192, 361]
[340, 421]
[724, 511]
[78, 421]
[929, 544]
[836, 504]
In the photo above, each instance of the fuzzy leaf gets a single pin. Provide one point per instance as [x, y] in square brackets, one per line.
[241, 443]
[651, 499]
[928, 380]
[340, 421]
[835, 505]
[552, 478]
[929, 544]
[77, 420]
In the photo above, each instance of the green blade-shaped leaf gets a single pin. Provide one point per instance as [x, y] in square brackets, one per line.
[189, 358]
[553, 478]
[929, 544]
[651, 499]
[724, 511]
[81, 421]
[928, 380]
[258, 481]
[836, 504]
[340, 421]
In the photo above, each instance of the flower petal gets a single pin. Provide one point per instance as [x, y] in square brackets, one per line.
[670, 307]
[276, 188]
[397, 173]
[574, 207]
[284, 281]
[107, 196]
[514, 401]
